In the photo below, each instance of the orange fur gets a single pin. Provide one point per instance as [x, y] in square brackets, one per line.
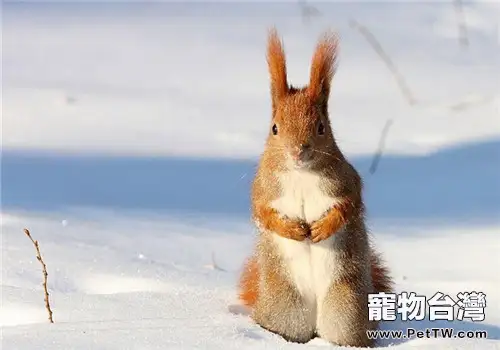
[277, 67]
[271, 220]
[323, 68]
[334, 219]
[249, 281]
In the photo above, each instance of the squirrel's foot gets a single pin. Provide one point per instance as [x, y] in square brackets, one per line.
[294, 229]
[327, 225]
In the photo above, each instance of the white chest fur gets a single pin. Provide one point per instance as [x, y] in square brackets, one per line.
[311, 266]
[302, 196]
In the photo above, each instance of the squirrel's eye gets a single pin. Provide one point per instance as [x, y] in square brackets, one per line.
[275, 129]
[321, 129]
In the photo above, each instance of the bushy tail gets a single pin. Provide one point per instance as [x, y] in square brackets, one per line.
[382, 281]
[249, 281]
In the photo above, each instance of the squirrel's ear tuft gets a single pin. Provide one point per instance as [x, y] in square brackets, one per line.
[277, 67]
[323, 67]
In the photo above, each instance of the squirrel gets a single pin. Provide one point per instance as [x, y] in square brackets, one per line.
[313, 265]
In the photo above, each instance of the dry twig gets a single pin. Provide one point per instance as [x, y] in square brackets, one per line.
[387, 60]
[214, 265]
[45, 274]
[308, 11]
[462, 26]
[380, 149]
[403, 86]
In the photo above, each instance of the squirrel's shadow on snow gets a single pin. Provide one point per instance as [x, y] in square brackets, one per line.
[493, 332]
[456, 183]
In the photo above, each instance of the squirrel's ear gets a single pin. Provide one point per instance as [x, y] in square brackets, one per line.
[323, 68]
[277, 68]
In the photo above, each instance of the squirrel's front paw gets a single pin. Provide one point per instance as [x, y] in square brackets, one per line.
[295, 229]
[326, 226]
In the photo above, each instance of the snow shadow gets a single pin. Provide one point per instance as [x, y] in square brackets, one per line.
[55, 182]
[459, 184]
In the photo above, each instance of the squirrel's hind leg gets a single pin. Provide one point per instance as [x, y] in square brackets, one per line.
[281, 309]
[285, 315]
[343, 316]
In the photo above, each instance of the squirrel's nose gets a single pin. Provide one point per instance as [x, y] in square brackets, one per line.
[301, 152]
[304, 146]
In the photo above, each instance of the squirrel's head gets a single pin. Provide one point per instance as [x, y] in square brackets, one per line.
[300, 130]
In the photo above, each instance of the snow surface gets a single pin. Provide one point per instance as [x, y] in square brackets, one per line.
[130, 133]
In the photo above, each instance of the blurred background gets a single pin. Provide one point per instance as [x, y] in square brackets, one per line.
[151, 91]
[150, 117]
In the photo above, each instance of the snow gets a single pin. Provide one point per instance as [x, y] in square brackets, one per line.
[130, 134]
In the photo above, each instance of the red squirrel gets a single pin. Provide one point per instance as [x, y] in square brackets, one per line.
[313, 264]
